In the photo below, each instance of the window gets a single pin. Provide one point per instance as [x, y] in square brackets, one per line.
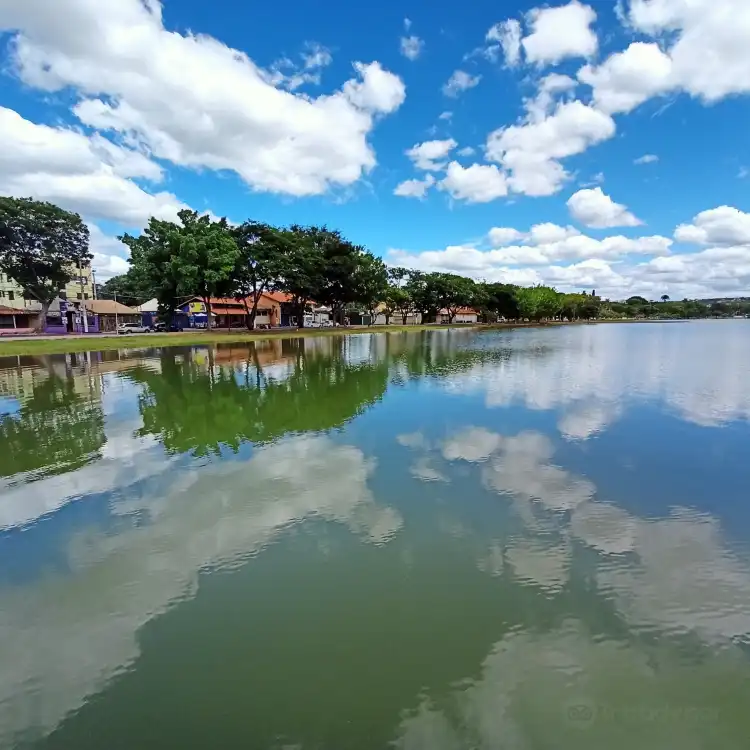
[79, 296]
[85, 295]
[11, 295]
[2, 294]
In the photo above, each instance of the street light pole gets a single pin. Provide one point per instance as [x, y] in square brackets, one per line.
[83, 300]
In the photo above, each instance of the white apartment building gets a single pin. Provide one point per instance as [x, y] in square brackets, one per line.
[80, 288]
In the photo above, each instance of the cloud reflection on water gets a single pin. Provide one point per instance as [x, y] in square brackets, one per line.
[68, 634]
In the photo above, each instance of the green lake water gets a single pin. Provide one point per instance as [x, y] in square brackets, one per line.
[450, 540]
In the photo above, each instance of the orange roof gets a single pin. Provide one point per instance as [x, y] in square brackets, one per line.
[278, 296]
[233, 301]
[461, 311]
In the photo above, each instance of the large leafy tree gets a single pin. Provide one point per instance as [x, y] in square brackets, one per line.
[343, 263]
[204, 256]
[500, 301]
[426, 293]
[195, 257]
[370, 282]
[151, 263]
[262, 260]
[41, 247]
[538, 302]
[455, 292]
[397, 300]
[303, 277]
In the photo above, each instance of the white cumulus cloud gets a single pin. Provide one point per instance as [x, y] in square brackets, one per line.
[430, 155]
[531, 152]
[414, 188]
[594, 208]
[560, 32]
[479, 183]
[196, 102]
[89, 175]
[724, 225]
[703, 52]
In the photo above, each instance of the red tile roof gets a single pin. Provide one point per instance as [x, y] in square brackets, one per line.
[278, 296]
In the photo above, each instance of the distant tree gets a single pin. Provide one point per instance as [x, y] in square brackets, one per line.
[261, 263]
[398, 276]
[665, 298]
[41, 248]
[428, 292]
[370, 282]
[397, 300]
[538, 302]
[502, 300]
[636, 301]
[455, 292]
[127, 288]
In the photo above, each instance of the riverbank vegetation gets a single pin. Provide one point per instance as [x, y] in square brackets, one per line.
[199, 256]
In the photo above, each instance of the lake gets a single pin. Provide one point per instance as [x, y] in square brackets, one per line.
[527, 539]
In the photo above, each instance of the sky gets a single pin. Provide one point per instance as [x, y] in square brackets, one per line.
[599, 145]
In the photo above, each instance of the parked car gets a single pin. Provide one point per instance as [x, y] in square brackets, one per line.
[170, 328]
[125, 328]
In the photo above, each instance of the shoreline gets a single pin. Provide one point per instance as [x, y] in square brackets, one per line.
[97, 342]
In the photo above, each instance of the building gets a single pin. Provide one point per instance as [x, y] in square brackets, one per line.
[463, 315]
[228, 312]
[80, 288]
[15, 321]
[112, 314]
[11, 295]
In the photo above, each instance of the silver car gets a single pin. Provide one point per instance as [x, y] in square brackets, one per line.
[125, 328]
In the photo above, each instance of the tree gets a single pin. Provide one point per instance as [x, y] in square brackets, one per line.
[342, 262]
[303, 272]
[665, 298]
[370, 282]
[128, 288]
[261, 263]
[41, 248]
[538, 302]
[427, 292]
[454, 293]
[502, 300]
[397, 276]
[151, 263]
[397, 300]
[204, 256]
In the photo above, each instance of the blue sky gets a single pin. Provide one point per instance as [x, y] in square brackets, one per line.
[586, 145]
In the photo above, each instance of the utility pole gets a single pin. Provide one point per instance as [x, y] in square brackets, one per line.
[93, 287]
[83, 300]
[117, 324]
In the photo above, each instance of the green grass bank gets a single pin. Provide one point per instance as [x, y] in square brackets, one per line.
[68, 344]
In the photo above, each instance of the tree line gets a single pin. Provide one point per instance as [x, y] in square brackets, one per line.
[41, 246]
